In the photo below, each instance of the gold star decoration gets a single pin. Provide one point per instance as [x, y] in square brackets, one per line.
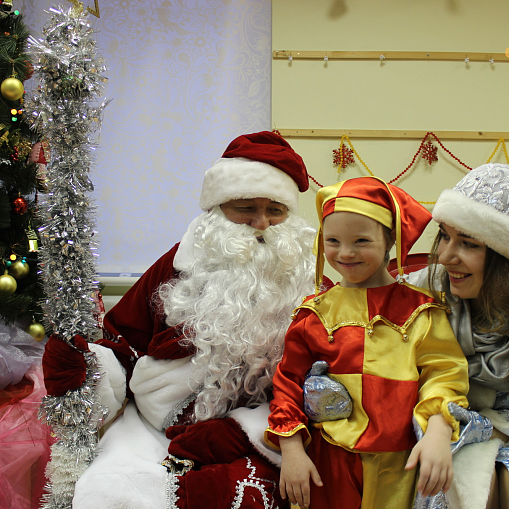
[79, 6]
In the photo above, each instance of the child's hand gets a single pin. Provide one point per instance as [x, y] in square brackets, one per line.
[296, 469]
[433, 452]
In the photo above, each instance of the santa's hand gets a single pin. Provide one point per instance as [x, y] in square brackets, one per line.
[433, 453]
[296, 469]
[64, 367]
[217, 441]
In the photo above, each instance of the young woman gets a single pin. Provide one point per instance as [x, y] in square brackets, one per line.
[470, 262]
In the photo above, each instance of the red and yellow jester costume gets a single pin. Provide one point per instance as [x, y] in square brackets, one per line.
[393, 349]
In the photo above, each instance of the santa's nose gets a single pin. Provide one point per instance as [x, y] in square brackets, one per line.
[260, 221]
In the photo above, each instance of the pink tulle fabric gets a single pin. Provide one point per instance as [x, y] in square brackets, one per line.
[25, 443]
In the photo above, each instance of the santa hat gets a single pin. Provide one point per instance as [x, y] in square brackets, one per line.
[373, 198]
[478, 206]
[258, 165]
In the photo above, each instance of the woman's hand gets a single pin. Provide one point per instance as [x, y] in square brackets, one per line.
[433, 453]
[296, 468]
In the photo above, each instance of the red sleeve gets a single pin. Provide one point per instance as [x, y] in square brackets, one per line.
[287, 415]
[134, 327]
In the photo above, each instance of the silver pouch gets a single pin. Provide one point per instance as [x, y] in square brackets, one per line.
[325, 399]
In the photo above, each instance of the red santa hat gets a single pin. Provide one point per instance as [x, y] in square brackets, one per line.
[372, 197]
[258, 165]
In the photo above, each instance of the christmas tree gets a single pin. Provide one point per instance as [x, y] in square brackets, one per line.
[21, 158]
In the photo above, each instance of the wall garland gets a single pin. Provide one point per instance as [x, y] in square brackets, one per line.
[345, 155]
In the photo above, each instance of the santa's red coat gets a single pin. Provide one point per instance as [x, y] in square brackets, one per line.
[228, 470]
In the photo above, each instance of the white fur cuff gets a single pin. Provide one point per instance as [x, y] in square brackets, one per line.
[112, 385]
[160, 385]
[254, 422]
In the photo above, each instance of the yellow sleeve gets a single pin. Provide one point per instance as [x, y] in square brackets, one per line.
[443, 371]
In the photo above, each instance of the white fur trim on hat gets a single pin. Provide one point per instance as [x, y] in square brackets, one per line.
[238, 178]
[480, 221]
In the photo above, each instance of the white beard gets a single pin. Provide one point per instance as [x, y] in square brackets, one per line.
[236, 302]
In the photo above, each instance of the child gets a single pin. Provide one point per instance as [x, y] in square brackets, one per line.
[388, 343]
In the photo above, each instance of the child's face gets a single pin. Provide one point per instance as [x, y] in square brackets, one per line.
[355, 246]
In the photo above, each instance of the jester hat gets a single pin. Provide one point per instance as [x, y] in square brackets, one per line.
[373, 198]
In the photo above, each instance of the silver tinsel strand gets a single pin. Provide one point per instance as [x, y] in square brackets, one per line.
[75, 419]
[70, 79]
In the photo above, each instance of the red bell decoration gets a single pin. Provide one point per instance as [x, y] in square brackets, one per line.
[37, 154]
[19, 205]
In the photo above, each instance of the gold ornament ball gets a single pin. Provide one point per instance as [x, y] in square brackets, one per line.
[36, 330]
[19, 270]
[12, 89]
[8, 285]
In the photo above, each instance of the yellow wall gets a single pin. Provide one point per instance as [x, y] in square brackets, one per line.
[370, 94]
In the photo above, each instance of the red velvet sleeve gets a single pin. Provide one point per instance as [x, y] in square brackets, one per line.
[134, 327]
[287, 415]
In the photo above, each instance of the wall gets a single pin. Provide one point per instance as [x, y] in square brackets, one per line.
[374, 94]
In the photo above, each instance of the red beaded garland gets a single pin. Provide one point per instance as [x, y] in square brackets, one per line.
[419, 151]
[427, 152]
[315, 181]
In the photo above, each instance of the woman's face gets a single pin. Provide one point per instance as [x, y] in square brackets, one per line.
[463, 258]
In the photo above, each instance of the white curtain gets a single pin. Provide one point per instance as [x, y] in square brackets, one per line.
[186, 77]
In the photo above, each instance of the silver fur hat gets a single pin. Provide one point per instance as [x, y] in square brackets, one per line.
[478, 206]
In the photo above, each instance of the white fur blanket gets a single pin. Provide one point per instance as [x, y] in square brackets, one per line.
[473, 469]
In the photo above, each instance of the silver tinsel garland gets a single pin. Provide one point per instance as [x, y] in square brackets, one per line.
[70, 80]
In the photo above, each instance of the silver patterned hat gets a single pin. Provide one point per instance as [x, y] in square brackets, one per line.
[478, 206]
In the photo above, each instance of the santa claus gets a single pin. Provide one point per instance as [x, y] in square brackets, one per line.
[194, 344]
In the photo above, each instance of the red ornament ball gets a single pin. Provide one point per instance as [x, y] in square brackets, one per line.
[19, 205]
